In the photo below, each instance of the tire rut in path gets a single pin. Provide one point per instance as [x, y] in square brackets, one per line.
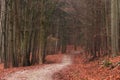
[44, 73]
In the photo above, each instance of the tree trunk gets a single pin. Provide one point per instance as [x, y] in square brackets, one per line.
[114, 27]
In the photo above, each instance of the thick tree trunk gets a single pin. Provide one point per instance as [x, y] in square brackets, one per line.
[114, 27]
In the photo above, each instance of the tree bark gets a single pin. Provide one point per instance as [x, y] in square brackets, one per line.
[114, 27]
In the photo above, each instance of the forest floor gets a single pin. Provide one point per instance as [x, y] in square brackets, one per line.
[65, 67]
[82, 69]
[40, 73]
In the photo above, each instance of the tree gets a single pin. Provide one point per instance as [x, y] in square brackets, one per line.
[25, 30]
[115, 26]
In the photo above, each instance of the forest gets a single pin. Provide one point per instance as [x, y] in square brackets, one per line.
[59, 39]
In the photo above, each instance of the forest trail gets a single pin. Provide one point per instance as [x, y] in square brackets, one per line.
[44, 73]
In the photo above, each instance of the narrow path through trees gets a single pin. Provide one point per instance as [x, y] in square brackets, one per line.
[44, 73]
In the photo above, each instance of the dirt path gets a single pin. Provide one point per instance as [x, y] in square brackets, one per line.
[44, 73]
